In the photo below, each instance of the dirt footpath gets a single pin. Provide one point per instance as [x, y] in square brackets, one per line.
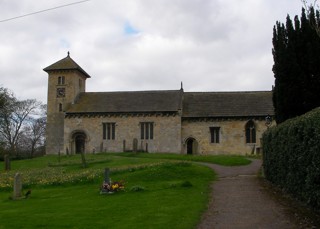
[240, 201]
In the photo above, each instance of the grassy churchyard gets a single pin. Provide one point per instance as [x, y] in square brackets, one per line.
[160, 191]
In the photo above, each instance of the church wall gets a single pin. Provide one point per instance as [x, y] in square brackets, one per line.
[55, 117]
[166, 133]
[54, 133]
[232, 136]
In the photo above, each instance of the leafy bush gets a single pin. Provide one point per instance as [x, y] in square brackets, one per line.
[292, 156]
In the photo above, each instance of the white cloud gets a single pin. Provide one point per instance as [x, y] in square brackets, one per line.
[209, 45]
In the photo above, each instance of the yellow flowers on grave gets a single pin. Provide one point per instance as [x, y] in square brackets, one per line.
[112, 187]
[115, 186]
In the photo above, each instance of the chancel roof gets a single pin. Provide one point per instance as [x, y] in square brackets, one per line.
[132, 101]
[227, 104]
[192, 104]
[66, 63]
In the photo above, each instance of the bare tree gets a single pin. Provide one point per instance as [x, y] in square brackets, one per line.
[13, 116]
[312, 10]
[33, 135]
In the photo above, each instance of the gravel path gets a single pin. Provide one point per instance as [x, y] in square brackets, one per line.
[239, 201]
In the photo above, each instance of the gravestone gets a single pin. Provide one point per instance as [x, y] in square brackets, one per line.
[107, 175]
[59, 154]
[135, 145]
[83, 160]
[124, 145]
[7, 165]
[101, 147]
[17, 186]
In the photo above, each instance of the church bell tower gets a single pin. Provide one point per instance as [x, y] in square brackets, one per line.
[66, 79]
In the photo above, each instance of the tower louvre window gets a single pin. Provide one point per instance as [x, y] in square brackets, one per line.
[61, 80]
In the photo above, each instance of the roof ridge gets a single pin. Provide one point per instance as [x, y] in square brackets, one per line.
[147, 91]
[227, 92]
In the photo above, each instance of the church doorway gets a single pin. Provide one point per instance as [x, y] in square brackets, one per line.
[80, 142]
[192, 146]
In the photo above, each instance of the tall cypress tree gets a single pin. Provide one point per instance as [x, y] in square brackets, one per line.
[296, 54]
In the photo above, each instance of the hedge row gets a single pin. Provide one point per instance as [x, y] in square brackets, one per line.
[292, 157]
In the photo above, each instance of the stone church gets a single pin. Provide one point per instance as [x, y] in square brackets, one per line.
[165, 121]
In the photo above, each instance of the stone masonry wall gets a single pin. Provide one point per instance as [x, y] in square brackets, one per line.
[166, 133]
[232, 136]
[74, 83]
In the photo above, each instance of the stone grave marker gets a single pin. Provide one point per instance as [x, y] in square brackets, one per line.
[17, 186]
[135, 145]
[7, 165]
[101, 147]
[124, 145]
[107, 175]
[83, 160]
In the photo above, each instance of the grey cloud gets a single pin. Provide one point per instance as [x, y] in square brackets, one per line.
[210, 45]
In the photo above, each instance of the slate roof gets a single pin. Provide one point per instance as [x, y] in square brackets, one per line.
[193, 104]
[134, 101]
[66, 63]
[227, 104]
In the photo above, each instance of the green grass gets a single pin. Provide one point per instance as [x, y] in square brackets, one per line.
[173, 194]
[164, 203]
[227, 160]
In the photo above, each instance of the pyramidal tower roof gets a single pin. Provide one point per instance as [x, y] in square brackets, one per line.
[66, 63]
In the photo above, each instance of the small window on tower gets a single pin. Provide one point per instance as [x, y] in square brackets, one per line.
[61, 80]
[60, 107]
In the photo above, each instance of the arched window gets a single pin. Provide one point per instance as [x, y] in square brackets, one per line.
[60, 107]
[250, 132]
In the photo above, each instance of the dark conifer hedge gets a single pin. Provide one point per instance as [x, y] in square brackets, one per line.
[291, 156]
[296, 54]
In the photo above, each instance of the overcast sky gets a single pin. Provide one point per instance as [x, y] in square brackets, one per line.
[125, 45]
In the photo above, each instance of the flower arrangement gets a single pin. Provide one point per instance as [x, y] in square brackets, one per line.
[111, 187]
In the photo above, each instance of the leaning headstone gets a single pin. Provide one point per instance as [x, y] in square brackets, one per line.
[7, 165]
[135, 145]
[17, 186]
